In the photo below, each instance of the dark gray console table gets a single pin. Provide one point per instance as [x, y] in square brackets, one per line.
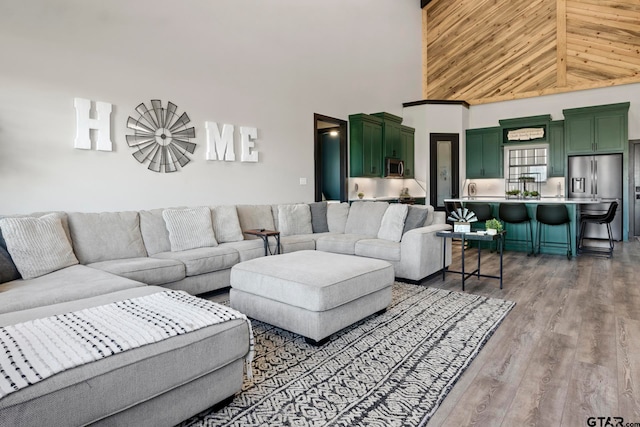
[499, 238]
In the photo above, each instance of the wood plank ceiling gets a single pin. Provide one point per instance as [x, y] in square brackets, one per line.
[488, 50]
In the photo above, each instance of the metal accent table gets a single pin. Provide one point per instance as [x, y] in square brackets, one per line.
[499, 238]
[264, 235]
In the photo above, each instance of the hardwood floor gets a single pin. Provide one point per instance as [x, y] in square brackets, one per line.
[569, 350]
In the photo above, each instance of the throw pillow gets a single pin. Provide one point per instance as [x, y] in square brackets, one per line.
[294, 219]
[337, 214]
[415, 218]
[8, 270]
[365, 218]
[189, 228]
[226, 225]
[319, 217]
[393, 222]
[37, 245]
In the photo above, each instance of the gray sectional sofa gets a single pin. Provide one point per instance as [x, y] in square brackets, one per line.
[121, 255]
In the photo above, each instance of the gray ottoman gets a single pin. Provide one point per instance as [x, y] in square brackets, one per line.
[311, 293]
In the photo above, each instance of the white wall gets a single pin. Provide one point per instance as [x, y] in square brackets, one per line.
[269, 64]
[435, 118]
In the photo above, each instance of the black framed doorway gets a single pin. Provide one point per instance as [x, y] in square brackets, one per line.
[444, 168]
[330, 158]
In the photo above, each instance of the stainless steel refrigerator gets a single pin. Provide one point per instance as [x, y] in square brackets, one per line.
[598, 178]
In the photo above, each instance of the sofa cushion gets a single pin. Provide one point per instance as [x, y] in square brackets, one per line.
[319, 217]
[152, 271]
[69, 284]
[431, 217]
[365, 218]
[337, 214]
[249, 249]
[204, 260]
[107, 235]
[189, 228]
[154, 231]
[392, 222]
[296, 243]
[378, 248]
[416, 217]
[37, 245]
[255, 216]
[226, 225]
[339, 243]
[294, 219]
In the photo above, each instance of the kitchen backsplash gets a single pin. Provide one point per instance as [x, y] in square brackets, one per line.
[495, 187]
[383, 187]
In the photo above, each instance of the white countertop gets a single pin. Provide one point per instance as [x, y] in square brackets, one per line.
[545, 200]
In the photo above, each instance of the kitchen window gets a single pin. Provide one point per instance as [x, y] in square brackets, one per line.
[524, 160]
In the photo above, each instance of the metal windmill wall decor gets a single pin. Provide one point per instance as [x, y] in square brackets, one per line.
[161, 136]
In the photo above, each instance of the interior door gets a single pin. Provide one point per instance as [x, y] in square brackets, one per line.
[444, 166]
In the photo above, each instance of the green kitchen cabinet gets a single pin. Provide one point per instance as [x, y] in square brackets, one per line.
[484, 153]
[407, 152]
[598, 129]
[365, 146]
[556, 163]
[391, 134]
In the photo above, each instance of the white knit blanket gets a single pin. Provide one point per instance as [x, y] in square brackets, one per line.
[37, 349]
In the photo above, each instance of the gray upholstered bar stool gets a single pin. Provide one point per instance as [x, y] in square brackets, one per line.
[551, 215]
[516, 213]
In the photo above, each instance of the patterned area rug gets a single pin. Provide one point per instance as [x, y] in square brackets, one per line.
[389, 369]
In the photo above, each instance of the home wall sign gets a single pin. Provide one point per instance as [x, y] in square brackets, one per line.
[84, 123]
[161, 136]
[220, 144]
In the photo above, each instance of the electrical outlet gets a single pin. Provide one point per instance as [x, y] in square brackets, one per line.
[303, 181]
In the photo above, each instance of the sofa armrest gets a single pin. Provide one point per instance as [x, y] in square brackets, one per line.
[421, 252]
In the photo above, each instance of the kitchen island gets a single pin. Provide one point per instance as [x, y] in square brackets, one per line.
[517, 233]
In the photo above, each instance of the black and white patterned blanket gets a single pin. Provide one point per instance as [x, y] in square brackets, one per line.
[37, 349]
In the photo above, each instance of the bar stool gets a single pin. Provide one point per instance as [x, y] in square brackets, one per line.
[516, 213]
[554, 214]
[598, 219]
[482, 211]
[483, 214]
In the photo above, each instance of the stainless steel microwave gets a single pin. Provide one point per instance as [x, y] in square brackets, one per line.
[394, 168]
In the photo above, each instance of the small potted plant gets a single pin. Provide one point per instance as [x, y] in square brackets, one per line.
[360, 195]
[513, 194]
[493, 226]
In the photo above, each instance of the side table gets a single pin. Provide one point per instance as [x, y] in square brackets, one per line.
[499, 238]
[264, 235]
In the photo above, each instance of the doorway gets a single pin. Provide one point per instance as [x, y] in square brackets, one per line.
[330, 154]
[634, 188]
[444, 167]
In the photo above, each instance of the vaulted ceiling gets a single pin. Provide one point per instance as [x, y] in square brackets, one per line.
[487, 50]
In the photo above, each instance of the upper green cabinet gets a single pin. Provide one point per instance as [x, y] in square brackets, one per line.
[365, 133]
[374, 137]
[391, 129]
[599, 129]
[484, 153]
[407, 146]
[556, 149]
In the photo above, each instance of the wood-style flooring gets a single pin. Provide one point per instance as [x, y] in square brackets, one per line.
[568, 351]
